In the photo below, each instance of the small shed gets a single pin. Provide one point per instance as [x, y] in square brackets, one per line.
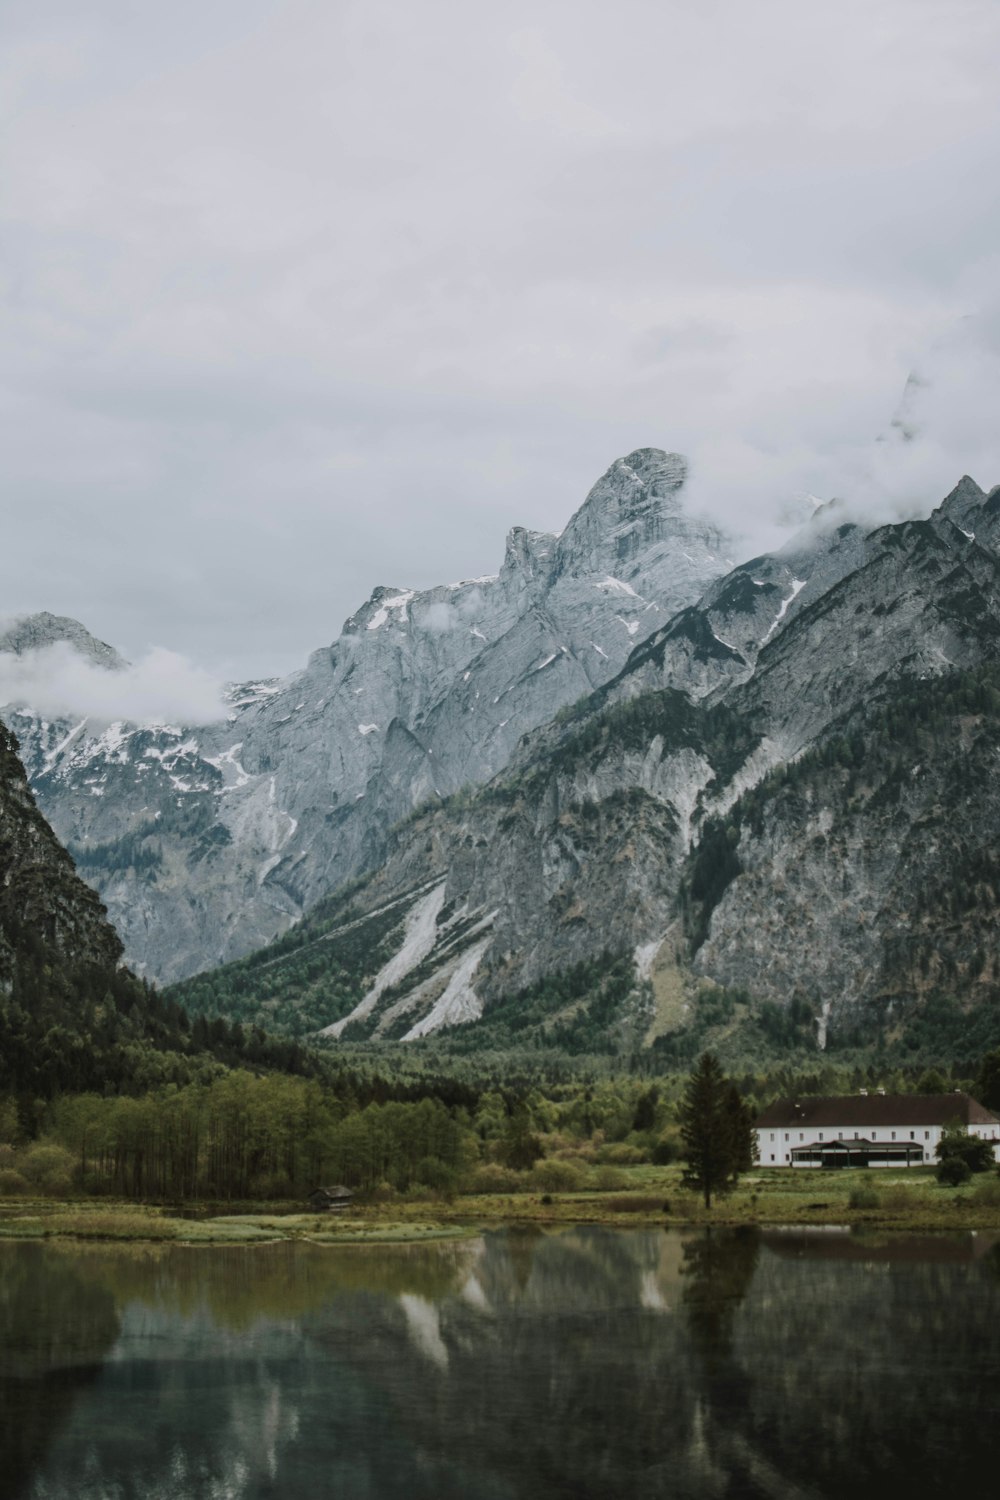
[331, 1199]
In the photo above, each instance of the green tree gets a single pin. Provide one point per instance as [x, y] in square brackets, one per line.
[717, 1134]
[987, 1086]
[957, 1145]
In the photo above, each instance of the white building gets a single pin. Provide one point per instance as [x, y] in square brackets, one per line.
[868, 1129]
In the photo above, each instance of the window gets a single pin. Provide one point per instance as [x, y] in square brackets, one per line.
[786, 1135]
[913, 1135]
[855, 1135]
[772, 1153]
[874, 1134]
[894, 1135]
[772, 1137]
[801, 1136]
[821, 1135]
[927, 1135]
[840, 1135]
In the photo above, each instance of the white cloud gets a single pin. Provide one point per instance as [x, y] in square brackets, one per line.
[162, 688]
[298, 296]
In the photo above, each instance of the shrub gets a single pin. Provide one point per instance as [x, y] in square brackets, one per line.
[8, 1156]
[11, 1182]
[556, 1177]
[491, 1177]
[954, 1171]
[610, 1180]
[623, 1155]
[665, 1150]
[48, 1168]
[433, 1173]
[864, 1197]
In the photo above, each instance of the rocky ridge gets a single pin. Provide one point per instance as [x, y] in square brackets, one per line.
[206, 841]
[789, 791]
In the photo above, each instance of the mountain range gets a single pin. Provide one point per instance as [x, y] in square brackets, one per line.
[624, 787]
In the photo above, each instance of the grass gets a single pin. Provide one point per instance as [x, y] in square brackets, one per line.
[889, 1200]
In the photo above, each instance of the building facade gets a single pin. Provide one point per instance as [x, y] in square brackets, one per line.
[867, 1129]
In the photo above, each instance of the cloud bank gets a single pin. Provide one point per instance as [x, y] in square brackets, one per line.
[297, 297]
[162, 688]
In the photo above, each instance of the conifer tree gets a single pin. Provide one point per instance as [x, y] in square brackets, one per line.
[716, 1130]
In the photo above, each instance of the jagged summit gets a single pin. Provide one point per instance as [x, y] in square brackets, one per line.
[634, 505]
[36, 632]
[248, 821]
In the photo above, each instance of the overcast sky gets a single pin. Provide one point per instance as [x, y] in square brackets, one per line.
[300, 297]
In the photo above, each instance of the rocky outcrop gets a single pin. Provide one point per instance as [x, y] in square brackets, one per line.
[207, 841]
[814, 821]
[44, 905]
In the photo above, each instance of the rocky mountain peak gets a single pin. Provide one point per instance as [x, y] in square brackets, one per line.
[965, 498]
[528, 555]
[36, 632]
[630, 508]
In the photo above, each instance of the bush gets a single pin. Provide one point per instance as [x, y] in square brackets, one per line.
[556, 1177]
[954, 1171]
[491, 1177]
[610, 1180]
[8, 1156]
[11, 1182]
[664, 1151]
[49, 1168]
[623, 1155]
[864, 1197]
[433, 1173]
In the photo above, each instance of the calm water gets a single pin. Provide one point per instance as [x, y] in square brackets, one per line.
[517, 1366]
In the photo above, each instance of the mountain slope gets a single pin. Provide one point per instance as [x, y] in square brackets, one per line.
[207, 841]
[812, 823]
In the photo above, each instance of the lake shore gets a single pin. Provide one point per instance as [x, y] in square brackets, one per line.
[654, 1195]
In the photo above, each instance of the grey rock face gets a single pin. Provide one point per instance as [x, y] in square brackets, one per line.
[207, 841]
[587, 840]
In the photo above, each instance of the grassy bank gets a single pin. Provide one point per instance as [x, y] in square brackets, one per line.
[649, 1195]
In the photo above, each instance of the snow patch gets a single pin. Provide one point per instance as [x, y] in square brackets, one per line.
[547, 662]
[632, 626]
[611, 585]
[477, 633]
[64, 744]
[367, 728]
[230, 768]
[397, 602]
[599, 651]
[798, 584]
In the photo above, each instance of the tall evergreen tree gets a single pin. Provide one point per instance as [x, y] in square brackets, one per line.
[716, 1130]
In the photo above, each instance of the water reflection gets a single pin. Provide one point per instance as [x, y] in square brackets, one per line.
[521, 1364]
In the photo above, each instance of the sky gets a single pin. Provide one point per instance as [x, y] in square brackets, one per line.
[300, 297]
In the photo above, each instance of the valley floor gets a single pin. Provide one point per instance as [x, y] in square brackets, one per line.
[654, 1195]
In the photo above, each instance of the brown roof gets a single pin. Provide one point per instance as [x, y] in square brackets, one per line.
[877, 1109]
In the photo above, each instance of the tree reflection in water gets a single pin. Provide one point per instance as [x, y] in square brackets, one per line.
[56, 1329]
[515, 1366]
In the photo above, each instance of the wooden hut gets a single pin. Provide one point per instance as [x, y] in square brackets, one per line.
[331, 1199]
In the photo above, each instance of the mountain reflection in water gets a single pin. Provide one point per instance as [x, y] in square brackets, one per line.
[590, 1363]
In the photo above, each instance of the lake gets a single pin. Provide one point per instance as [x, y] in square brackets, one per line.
[518, 1365]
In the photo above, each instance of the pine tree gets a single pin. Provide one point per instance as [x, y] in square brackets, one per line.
[716, 1130]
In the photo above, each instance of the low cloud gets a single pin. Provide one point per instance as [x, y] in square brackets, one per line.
[161, 688]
